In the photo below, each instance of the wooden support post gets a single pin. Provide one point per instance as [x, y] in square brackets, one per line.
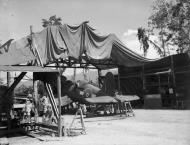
[35, 82]
[8, 85]
[35, 97]
[119, 86]
[39, 60]
[8, 79]
[143, 78]
[59, 104]
[159, 83]
[173, 78]
[74, 73]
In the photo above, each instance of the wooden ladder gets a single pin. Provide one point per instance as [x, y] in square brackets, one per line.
[83, 129]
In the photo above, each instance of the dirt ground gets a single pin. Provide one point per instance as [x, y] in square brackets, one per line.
[148, 127]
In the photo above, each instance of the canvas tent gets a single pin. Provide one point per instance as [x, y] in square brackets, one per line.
[68, 45]
[157, 77]
[79, 43]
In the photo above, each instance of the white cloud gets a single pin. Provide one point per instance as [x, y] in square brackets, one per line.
[130, 32]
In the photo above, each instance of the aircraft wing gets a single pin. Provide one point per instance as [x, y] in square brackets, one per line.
[126, 98]
[65, 100]
[101, 100]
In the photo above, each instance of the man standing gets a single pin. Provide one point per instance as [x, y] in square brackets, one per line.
[27, 110]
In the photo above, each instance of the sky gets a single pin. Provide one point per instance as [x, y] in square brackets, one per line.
[121, 17]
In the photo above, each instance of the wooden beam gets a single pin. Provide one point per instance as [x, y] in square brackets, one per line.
[15, 83]
[59, 104]
[35, 96]
[48, 126]
[8, 79]
[173, 79]
[119, 84]
[143, 78]
[73, 67]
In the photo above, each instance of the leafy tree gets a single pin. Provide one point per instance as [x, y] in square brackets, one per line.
[179, 25]
[170, 21]
[53, 20]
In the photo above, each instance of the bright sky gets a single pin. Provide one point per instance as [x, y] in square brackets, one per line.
[121, 17]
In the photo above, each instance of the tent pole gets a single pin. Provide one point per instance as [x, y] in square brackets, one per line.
[173, 78]
[33, 43]
[8, 79]
[159, 83]
[74, 73]
[8, 85]
[35, 82]
[59, 104]
[119, 87]
[143, 78]
[35, 96]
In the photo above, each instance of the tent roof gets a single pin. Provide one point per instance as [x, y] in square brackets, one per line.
[79, 43]
[180, 62]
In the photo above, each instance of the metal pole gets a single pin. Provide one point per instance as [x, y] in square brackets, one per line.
[59, 103]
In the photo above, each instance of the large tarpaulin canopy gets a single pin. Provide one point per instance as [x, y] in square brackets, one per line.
[79, 43]
[179, 61]
[157, 73]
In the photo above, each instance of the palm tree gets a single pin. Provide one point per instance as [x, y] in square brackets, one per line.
[53, 20]
[144, 40]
